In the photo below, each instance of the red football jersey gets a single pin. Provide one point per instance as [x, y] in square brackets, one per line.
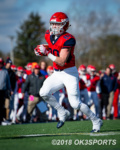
[93, 82]
[82, 85]
[65, 40]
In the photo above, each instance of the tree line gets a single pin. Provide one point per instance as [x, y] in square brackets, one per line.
[97, 38]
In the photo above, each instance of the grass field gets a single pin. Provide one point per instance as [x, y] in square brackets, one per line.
[73, 135]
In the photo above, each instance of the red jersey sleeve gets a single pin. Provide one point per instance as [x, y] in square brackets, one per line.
[82, 85]
[93, 84]
[69, 43]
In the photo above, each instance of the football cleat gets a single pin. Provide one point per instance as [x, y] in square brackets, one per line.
[93, 131]
[63, 117]
[5, 123]
[97, 125]
[60, 124]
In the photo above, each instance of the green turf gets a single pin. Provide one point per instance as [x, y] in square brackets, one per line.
[66, 138]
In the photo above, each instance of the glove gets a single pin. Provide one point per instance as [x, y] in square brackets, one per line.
[36, 53]
[41, 50]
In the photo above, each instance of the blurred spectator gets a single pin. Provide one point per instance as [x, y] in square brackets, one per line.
[43, 68]
[4, 86]
[33, 84]
[33, 65]
[116, 93]
[108, 84]
[18, 99]
[28, 68]
[13, 85]
[108, 81]
[113, 69]
[94, 78]
[101, 73]
[50, 70]
[84, 81]
[116, 98]
[14, 68]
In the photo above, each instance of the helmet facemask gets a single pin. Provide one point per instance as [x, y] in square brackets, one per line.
[60, 19]
[19, 73]
[59, 29]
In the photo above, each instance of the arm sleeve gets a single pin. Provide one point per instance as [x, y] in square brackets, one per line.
[69, 43]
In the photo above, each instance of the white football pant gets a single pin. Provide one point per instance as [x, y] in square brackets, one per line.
[69, 78]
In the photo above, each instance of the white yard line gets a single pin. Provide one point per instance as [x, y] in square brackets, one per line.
[63, 134]
[58, 134]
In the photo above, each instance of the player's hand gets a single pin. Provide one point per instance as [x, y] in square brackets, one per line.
[41, 50]
[36, 52]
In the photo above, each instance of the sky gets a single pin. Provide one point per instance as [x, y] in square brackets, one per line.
[14, 12]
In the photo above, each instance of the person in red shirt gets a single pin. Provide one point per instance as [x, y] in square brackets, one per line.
[28, 68]
[18, 99]
[92, 88]
[60, 50]
[84, 82]
[14, 68]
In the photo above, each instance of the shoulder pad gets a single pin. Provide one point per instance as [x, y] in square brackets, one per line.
[67, 36]
[47, 32]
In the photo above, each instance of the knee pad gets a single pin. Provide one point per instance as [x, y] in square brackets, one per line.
[76, 105]
[74, 100]
[44, 94]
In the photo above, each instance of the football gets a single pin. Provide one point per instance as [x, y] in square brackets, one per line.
[46, 46]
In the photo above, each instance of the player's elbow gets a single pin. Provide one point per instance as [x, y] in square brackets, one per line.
[60, 61]
[62, 64]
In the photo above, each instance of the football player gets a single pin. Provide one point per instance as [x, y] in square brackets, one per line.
[84, 82]
[61, 51]
[18, 99]
[94, 79]
[28, 68]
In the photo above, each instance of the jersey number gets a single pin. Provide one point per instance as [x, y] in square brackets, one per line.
[55, 52]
